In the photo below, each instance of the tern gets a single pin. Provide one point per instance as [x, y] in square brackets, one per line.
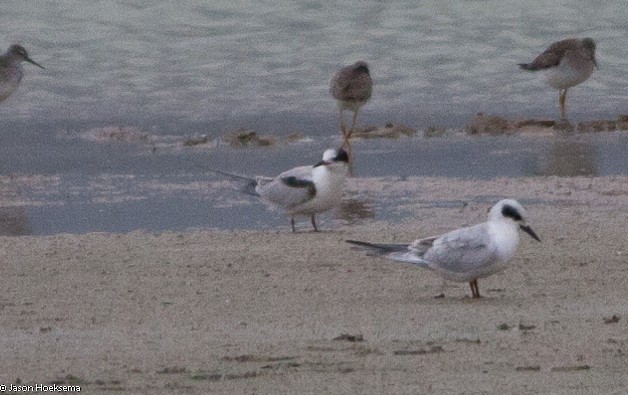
[304, 190]
[465, 254]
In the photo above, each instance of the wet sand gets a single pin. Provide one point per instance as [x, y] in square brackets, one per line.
[274, 312]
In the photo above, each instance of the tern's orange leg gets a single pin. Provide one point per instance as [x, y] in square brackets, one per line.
[343, 128]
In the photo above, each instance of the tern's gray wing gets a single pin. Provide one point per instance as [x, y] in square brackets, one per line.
[552, 55]
[461, 250]
[289, 189]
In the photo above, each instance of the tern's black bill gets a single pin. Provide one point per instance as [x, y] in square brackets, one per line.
[529, 231]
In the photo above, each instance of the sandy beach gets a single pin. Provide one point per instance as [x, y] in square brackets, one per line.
[131, 263]
[275, 312]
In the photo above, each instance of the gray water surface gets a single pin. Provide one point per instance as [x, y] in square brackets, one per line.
[270, 62]
[122, 186]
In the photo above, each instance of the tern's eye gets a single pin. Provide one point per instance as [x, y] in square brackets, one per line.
[511, 212]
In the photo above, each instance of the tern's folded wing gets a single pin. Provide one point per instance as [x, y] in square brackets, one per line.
[461, 250]
[290, 188]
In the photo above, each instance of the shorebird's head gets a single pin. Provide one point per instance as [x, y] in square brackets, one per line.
[511, 210]
[589, 47]
[19, 52]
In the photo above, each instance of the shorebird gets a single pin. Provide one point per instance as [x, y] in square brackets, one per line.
[11, 71]
[352, 87]
[465, 254]
[304, 190]
[568, 63]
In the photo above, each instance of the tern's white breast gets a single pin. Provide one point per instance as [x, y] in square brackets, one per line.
[328, 191]
[505, 238]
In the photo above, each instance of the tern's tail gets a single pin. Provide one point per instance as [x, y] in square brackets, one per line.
[396, 252]
[378, 249]
[249, 183]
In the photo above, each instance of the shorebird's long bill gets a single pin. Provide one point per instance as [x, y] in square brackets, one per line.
[528, 230]
[29, 60]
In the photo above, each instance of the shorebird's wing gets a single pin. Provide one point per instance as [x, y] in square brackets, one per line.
[552, 55]
[289, 189]
[349, 85]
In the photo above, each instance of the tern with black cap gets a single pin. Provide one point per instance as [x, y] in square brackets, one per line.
[465, 254]
[303, 190]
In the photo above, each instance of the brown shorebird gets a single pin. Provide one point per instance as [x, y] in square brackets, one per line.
[11, 71]
[351, 86]
[465, 254]
[568, 63]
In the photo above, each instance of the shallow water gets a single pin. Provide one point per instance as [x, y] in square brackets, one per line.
[267, 64]
[125, 186]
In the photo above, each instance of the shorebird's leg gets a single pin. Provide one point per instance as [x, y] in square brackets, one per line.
[314, 223]
[355, 117]
[349, 149]
[292, 224]
[562, 100]
[347, 142]
[343, 128]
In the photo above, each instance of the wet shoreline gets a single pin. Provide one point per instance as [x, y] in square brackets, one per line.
[125, 179]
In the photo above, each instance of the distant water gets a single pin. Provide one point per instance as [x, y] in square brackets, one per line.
[266, 64]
